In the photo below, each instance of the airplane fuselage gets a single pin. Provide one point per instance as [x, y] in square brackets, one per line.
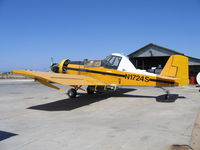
[120, 78]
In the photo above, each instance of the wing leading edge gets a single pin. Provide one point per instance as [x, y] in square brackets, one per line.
[63, 79]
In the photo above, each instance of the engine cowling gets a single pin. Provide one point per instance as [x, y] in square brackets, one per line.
[63, 65]
[60, 68]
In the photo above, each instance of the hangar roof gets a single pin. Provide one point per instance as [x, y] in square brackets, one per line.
[138, 52]
[152, 50]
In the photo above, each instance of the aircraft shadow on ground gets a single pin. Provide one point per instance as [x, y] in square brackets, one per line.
[84, 99]
[4, 135]
[171, 98]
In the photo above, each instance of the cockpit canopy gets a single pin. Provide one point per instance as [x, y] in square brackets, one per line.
[114, 61]
[111, 62]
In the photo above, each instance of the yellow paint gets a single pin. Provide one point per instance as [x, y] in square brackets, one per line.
[175, 73]
[61, 65]
[177, 67]
[44, 82]
[60, 78]
[134, 78]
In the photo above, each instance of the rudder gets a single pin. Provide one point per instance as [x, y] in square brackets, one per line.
[177, 67]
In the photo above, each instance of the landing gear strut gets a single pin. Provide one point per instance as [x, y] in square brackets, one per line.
[72, 93]
[167, 94]
[166, 97]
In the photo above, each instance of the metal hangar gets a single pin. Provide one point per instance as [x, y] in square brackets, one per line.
[153, 58]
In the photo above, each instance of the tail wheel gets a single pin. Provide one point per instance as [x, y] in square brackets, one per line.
[90, 90]
[72, 93]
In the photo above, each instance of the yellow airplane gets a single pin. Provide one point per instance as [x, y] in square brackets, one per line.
[114, 71]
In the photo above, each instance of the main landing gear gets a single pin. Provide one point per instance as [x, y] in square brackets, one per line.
[72, 93]
[90, 90]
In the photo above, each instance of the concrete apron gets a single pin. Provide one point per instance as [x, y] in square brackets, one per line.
[195, 138]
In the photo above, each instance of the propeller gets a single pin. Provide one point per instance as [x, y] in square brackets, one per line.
[54, 66]
[52, 61]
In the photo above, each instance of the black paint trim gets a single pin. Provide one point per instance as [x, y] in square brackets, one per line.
[162, 81]
[118, 75]
[99, 72]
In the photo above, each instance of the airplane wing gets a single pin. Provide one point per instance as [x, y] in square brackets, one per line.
[63, 79]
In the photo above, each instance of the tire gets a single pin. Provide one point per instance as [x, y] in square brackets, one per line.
[72, 93]
[90, 90]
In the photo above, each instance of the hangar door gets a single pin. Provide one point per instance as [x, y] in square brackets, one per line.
[146, 63]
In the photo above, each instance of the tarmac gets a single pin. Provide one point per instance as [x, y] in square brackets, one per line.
[33, 116]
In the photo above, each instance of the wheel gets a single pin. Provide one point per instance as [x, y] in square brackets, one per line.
[72, 93]
[90, 90]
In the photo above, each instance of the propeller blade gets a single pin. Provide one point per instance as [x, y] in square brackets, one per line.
[52, 62]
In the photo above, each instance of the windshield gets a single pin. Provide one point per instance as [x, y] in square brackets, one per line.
[111, 62]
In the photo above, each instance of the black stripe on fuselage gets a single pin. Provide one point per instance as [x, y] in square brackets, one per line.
[118, 75]
[162, 81]
[98, 72]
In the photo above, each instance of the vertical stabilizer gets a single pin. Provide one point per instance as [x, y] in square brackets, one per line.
[177, 67]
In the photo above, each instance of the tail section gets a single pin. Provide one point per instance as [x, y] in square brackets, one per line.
[177, 67]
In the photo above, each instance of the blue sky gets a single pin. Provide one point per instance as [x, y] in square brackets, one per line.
[32, 31]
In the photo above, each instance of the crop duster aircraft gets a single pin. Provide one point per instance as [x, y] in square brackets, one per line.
[110, 73]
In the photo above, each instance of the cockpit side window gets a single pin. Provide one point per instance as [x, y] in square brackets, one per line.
[111, 62]
[117, 61]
